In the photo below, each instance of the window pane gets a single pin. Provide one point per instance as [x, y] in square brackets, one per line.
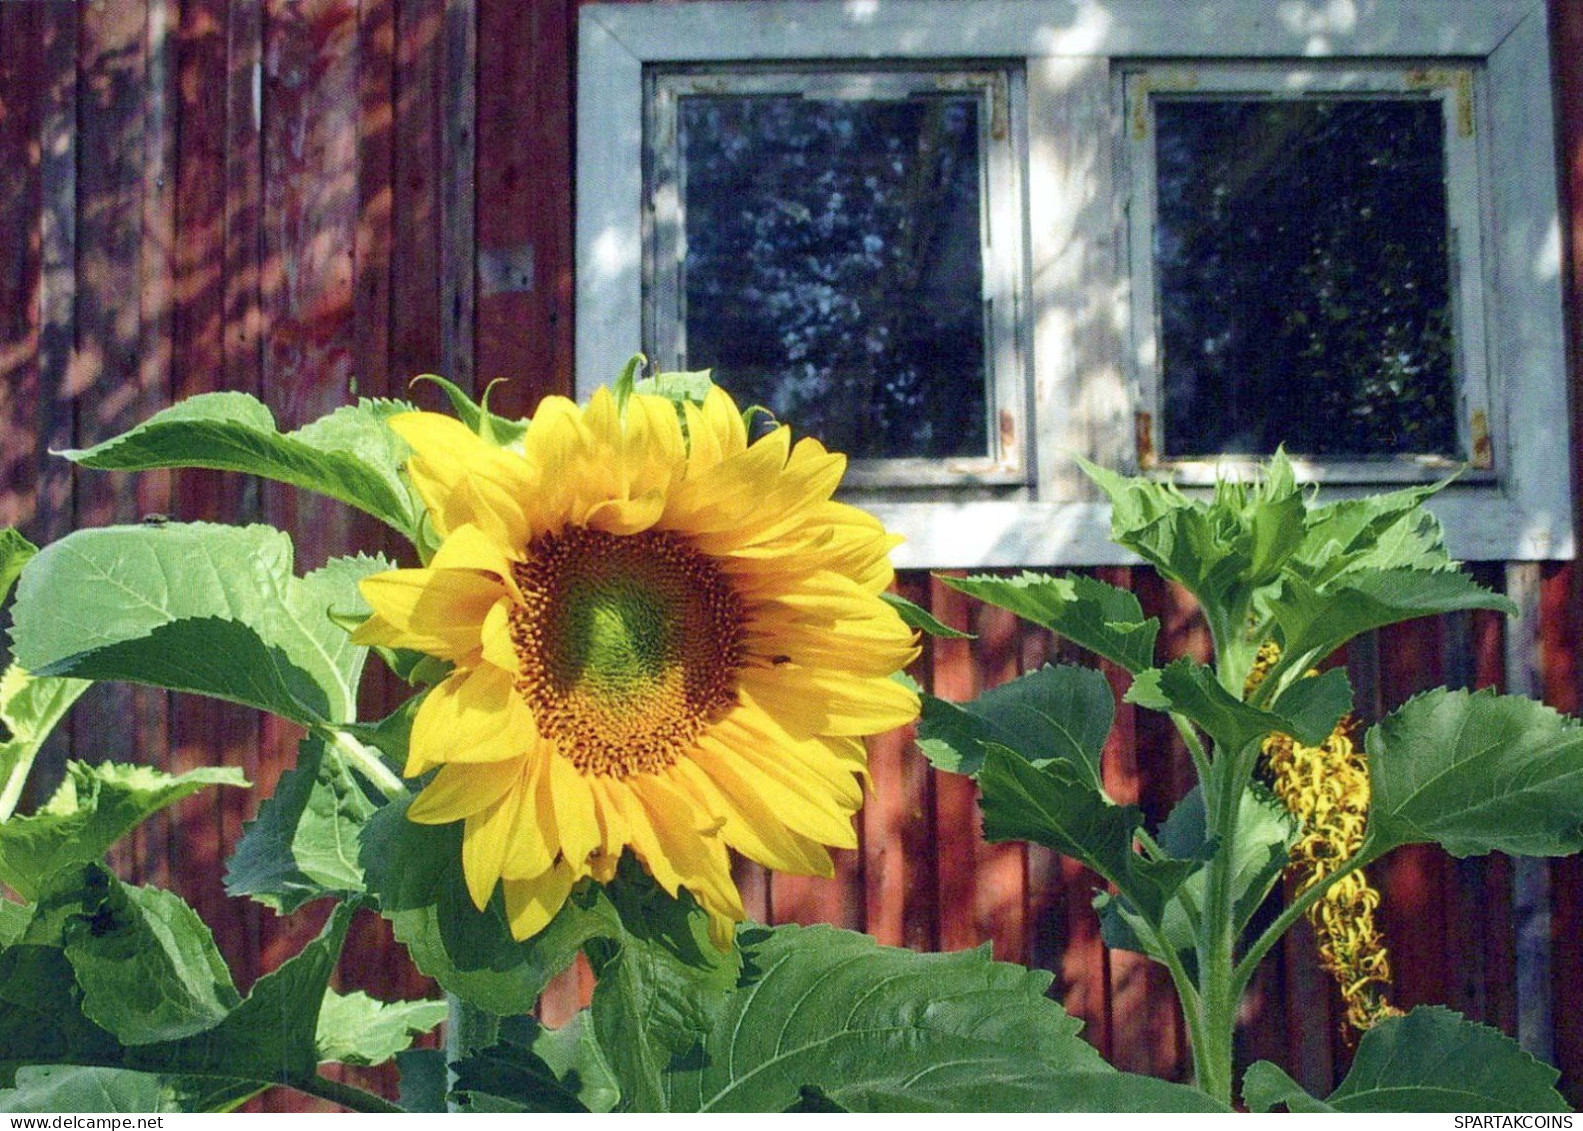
[1304, 285]
[833, 269]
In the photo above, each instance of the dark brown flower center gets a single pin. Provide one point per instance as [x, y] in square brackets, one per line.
[629, 646]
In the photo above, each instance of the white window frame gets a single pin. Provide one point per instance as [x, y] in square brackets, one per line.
[1084, 394]
[997, 91]
[1142, 88]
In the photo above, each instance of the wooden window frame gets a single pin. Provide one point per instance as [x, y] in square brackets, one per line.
[998, 92]
[1453, 89]
[1084, 396]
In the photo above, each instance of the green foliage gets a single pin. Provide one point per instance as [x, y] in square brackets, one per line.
[1476, 772]
[534, 1069]
[49, 1016]
[15, 552]
[196, 607]
[916, 616]
[146, 964]
[348, 455]
[1265, 833]
[115, 997]
[30, 708]
[1052, 805]
[356, 1029]
[476, 415]
[73, 1090]
[1308, 710]
[876, 1028]
[1433, 1059]
[94, 807]
[304, 843]
[1060, 713]
[1107, 621]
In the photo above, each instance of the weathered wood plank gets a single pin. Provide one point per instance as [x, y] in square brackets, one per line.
[458, 158]
[1000, 871]
[897, 826]
[415, 336]
[1559, 642]
[524, 210]
[21, 397]
[956, 816]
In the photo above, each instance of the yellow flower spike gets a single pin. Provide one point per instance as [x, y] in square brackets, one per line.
[1326, 787]
[665, 643]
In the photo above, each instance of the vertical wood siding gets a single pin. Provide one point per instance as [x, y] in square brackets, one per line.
[314, 199]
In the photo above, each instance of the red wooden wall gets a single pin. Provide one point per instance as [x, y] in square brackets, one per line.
[315, 199]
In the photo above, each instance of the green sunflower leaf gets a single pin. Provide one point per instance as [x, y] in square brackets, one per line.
[1060, 713]
[831, 1014]
[1265, 832]
[69, 1088]
[350, 455]
[1475, 772]
[1221, 549]
[916, 616]
[1102, 618]
[146, 964]
[101, 958]
[196, 607]
[534, 1069]
[357, 1029]
[1433, 1059]
[1308, 713]
[15, 552]
[1376, 532]
[424, 1081]
[303, 845]
[14, 918]
[415, 873]
[1315, 621]
[1056, 806]
[30, 708]
[92, 809]
[272, 1034]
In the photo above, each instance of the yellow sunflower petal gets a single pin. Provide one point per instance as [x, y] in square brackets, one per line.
[495, 637]
[572, 803]
[486, 839]
[677, 853]
[832, 703]
[462, 790]
[753, 827]
[532, 903]
[434, 611]
[463, 478]
[471, 716]
[470, 547]
[532, 846]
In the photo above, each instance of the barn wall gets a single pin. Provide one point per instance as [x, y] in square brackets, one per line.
[315, 199]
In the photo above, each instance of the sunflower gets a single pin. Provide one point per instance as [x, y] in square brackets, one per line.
[663, 640]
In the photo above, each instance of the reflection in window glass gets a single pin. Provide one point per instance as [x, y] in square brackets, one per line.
[833, 269]
[1304, 289]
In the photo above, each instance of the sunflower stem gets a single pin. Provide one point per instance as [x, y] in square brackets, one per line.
[367, 763]
[467, 1029]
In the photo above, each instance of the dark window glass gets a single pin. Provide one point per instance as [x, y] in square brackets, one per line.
[1304, 280]
[833, 270]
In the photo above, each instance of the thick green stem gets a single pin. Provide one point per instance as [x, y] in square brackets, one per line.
[1217, 941]
[1288, 916]
[366, 762]
[1195, 745]
[353, 1099]
[467, 1029]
